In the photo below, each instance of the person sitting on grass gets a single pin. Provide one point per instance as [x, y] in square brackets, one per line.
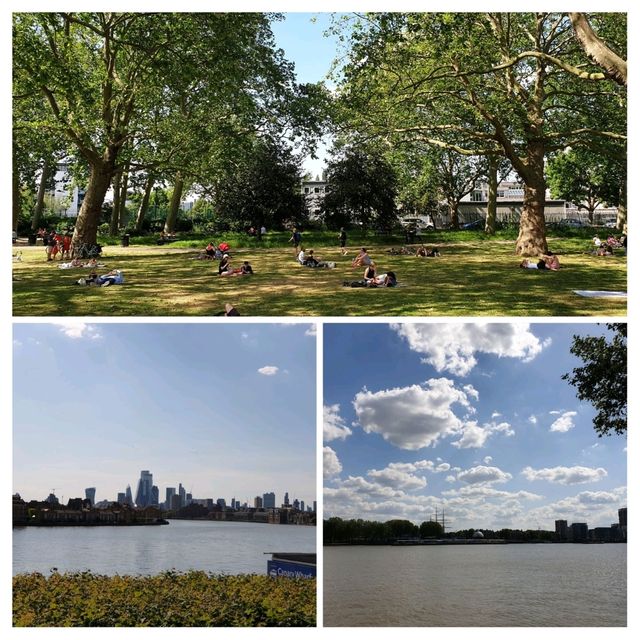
[384, 280]
[370, 273]
[301, 256]
[363, 259]
[224, 264]
[605, 249]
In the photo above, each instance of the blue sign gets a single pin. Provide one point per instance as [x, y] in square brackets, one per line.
[288, 569]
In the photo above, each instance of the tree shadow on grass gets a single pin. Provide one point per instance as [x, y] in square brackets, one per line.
[470, 279]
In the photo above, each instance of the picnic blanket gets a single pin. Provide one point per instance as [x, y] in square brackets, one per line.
[601, 294]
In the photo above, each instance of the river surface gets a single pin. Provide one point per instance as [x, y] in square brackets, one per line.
[530, 585]
[215, 547]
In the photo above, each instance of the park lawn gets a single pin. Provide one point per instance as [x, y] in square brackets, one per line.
[473, 278]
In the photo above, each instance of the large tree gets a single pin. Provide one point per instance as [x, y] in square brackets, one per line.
[177, 83]
[516, 85]
[602, 378]
[362, 189]
[261, 189]
[586, 178]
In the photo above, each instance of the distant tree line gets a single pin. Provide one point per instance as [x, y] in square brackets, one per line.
[358, 531]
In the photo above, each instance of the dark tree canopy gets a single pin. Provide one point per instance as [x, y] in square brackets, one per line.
[363, 189]
[602, 379]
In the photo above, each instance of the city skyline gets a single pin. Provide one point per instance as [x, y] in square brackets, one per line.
[470, 417]
[224, 409]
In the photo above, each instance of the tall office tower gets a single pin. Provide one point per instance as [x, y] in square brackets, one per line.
[286, 499]
[90, 494]
[121, 497]
[168, 496]
[175, 502]
[296, 504]
[189, 499]
[143, 494]
[562, 530]
[155, 496]
[301, 505]
[257, 502]
[269, 500]
[579, 531]
[128, 497]
[622, 521]
[183, 495]
[221, 502]
[314, 507]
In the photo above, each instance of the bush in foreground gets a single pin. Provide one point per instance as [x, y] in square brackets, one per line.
[170, 599]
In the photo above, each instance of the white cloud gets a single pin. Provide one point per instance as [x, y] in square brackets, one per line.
[312, 330]
[484, 475]
[475, 436]
[564, 422]
[77, 330]
[450, 479]
[532, 419]
[331, 464]
[443, 466]
[334, 427]
[412, 417]
[17, 343]
[487, 459]
[268, 370]
[565, 475]
[395, 476]
[452, 347]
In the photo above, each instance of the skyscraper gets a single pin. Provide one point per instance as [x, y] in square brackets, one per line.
[183, 495]
[128, 497]
[144, 496]
[90, 494]
[269, 500]
[169, 493]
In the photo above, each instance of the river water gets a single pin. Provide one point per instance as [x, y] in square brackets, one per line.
[216, 547]
[467, 586]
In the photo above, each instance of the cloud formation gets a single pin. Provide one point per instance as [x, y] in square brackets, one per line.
[565, 475]
[330, 463]
[268, 370]
[452, 347]
[483, 475]
[415, 416]
[78, 330]
[333, 425]
[564, 422]
[475, 436]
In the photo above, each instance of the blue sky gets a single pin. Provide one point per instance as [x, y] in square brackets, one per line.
[303, 38]
[471, 417]
[227, 409]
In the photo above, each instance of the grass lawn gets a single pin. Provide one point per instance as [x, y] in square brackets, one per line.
[475, 276]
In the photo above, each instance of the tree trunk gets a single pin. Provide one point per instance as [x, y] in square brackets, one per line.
[532, 240]
[122, 209]
[490, 222]
[42, 188]
[144, 205]
[17, 199]
[621, 219]
[453, 214]
[115, 209]
[86, 230]
[174, 206]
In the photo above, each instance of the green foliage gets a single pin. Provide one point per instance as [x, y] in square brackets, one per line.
[587, 178]
[263, 188]
[170, 599]
[431, 529]
[602, 379]
[362, 189]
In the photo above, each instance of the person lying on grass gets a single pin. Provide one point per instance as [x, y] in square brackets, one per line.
[423, 252]
[548, 261]
[77, 263]
[244, 270]
[309, 260]
[382, 280]
[115, 276]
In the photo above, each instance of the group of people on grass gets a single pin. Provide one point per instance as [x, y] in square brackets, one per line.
[606, 247]
[56, 243]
